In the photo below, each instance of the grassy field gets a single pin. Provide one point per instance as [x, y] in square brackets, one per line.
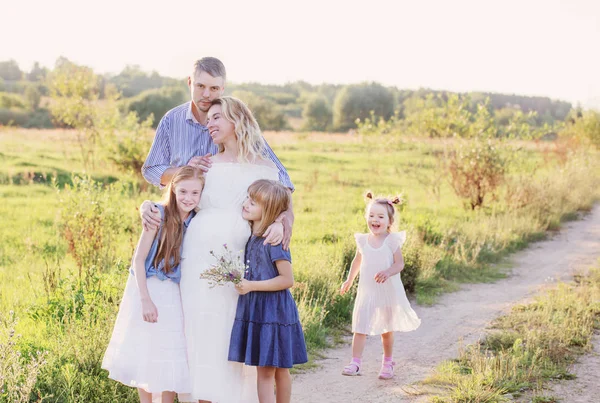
[66, 309]
[534, 344]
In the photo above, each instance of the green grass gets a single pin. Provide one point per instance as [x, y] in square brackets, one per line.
[447, 244]
[532, 345]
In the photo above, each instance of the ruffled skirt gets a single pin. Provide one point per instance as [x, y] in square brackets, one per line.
[150, 356]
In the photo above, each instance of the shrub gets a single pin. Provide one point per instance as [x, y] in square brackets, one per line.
[316, 114]
[476, 169]
[91, 220]
[357, 101]
[18, 372]
[156, 102]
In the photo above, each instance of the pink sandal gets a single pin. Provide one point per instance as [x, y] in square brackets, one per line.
[351, 369]
[387, 370]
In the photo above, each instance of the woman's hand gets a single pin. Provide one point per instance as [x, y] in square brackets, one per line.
[345, 287]
[150, 214]
[149, 311]
[243, 287]
[382, 276]
[274, 234]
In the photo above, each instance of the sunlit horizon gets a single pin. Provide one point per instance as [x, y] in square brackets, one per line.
[532, 48]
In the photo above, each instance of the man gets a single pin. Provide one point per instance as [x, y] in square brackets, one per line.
[182, 138]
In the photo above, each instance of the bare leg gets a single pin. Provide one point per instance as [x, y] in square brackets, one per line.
[387, 339]
[265, 383]
[283, 382]
[145, 397]
[358, 344]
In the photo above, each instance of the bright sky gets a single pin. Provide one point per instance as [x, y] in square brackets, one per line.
[531, 47]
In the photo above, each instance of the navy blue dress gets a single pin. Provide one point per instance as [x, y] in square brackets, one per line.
[266, 331]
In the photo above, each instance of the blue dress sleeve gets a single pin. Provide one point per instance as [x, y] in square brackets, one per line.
[277, 253]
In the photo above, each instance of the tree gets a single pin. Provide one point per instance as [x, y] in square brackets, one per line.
[267, 113]
[357, 101]
[316, 113]
[37, 73]
[10, 71]
[156, 102]
[74, 91]
[33, 97]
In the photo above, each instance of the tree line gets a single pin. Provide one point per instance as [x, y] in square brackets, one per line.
[300, 106]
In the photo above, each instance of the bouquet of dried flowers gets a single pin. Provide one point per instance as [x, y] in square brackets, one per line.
[230, 268]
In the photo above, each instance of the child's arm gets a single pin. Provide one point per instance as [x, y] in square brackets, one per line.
[283, 281]
[149, 311]
[394, 269]
[354, 268]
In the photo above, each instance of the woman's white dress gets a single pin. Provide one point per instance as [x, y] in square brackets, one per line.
[381, 307]
[209, 312]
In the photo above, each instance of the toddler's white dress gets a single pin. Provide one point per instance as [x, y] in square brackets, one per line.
[381, 307]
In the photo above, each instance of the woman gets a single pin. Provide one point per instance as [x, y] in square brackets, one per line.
[209, 312]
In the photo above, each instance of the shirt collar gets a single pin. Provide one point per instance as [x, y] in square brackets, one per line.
[187, 221]
[190, 116]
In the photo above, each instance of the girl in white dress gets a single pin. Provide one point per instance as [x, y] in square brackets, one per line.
[147, 349]
[381, 306]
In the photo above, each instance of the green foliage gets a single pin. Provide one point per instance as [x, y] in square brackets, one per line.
[267, 113]
[10, 71]
[8, 101]
[91, 220]
[534, 343]
[476, 169]
[133, 81]
[584, 126]
[33, 97]
[316, 114]
[156, 102]
[357, 101]
[18, 372]
[75, 92]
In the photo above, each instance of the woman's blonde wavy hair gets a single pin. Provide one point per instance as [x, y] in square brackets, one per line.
[251, 144]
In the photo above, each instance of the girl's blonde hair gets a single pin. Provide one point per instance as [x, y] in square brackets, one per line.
[387, 202]
[250, 142]
[273, 197]
[169, 244]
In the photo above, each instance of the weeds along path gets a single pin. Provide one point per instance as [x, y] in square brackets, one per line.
[457, 319]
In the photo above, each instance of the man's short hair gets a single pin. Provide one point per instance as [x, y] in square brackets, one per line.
[211, 65]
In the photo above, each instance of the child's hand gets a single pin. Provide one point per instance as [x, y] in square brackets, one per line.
[345, 287]
[243, 287]
[382, 276]
[149, 311]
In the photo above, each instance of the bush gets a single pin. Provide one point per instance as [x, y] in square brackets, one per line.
[357, 101]
[91, 220]
[8, 101]
[267, 113]
[18, 372]
[156, 102]
[476, 168]
[316, 114]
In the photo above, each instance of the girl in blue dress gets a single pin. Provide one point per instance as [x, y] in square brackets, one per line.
[147, 349]
[267, 331]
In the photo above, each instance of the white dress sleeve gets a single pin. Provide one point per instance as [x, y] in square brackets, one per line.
[395, 240]
[360, 241]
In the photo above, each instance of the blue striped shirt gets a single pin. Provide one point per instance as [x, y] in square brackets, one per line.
[179, 137]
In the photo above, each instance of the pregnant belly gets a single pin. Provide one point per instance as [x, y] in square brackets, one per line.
[213, 228]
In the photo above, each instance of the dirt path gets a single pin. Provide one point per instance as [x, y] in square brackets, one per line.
[585, 388]
[462, 315]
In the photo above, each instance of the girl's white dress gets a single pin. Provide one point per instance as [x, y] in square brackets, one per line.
[209, 312]
[151, 356]
[381, 307]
